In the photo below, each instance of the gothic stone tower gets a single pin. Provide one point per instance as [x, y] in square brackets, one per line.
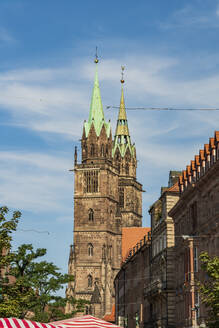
[106, 198]
[124, 158]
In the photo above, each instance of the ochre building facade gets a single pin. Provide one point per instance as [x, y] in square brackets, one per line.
[107, 197]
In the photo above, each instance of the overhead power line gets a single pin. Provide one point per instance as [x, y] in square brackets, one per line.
[162, 108]
[33, 230]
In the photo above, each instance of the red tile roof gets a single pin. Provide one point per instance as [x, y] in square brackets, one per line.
[175, 187]
[131, 236]
[111, 317]
[204, 155]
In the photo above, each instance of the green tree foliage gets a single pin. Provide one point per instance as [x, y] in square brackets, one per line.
[209, 289]
[7, 227]
[29, 286]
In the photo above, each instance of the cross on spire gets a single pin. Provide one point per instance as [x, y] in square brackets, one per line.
[96, 60]
[122, 74]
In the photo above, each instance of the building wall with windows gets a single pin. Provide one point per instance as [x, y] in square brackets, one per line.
[196, 218]
[132, 310]
[160, 292]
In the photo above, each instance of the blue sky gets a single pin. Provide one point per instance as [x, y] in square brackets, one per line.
[171, 53]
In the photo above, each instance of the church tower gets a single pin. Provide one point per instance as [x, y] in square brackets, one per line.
[124, 157]
[95, 256]
[107, 197]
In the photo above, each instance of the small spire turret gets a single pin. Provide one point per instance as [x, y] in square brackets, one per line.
[122, 139]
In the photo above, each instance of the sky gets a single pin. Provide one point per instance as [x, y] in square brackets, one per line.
[170, 51]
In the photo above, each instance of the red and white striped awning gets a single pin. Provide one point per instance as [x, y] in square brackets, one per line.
[21, 323]
[86, 321]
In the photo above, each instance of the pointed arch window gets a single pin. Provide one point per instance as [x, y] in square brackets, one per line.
[91, 215]
[121, 197]
[89, 280]
[91, 181]
[127, 168]
[90, 250]
[84, 150]
[117, 156]
[104, 252]
[92, 150]
[102, 150]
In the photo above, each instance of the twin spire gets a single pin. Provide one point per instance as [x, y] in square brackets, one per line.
[96, 114]
[122, 139]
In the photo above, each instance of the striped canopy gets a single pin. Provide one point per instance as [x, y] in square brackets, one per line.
[86, 321]
[21, 323]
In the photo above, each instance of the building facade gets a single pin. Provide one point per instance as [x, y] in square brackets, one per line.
[160, 292]
[131, 309]
[107, 197]
[196, 220]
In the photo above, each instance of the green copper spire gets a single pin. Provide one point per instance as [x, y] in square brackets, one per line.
[96, 107]
[96, 114]
[122, 139]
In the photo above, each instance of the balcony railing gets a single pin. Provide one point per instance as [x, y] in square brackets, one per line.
[155, 287]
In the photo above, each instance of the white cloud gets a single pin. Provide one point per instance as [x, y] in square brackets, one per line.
[217, 10]
[46, 100]
[24, 176]
[198, 16]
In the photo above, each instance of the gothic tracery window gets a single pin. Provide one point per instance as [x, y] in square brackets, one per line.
[91, 214]
[92, 150]
[91, 181]
[90, 250]
[102, 150]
